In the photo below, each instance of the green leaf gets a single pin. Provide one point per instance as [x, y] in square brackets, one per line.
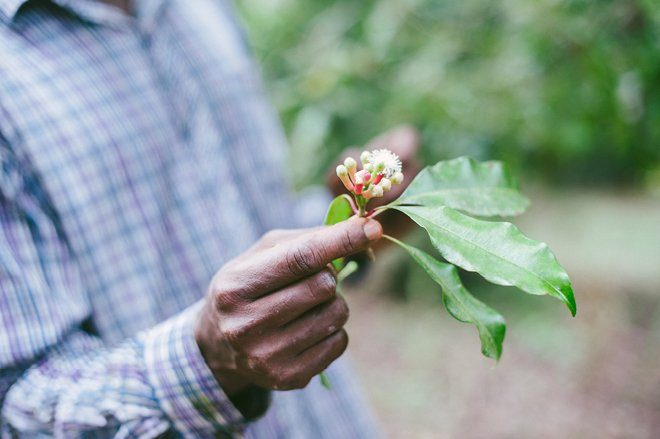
[483, 189]
[496, 250]
[462, 305]
[348, 269]
[339, 210]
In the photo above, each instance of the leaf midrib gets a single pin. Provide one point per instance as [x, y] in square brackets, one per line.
[501, 258]
[463, 189]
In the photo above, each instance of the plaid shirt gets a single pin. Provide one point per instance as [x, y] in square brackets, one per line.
[137, 154]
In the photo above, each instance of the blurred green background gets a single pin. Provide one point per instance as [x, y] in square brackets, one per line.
[567, 90]
[567, 93]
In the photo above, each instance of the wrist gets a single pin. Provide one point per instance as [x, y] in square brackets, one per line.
[232, 382]
[217, 356]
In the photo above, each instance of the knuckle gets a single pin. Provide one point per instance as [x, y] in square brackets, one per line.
[348, 243]
[277, 378]
[260, 363]
[343, 341]
[302, 381]
[232, 289]
[341, 310]
[327, 281]
[224, 300]
[290, 380]
[302, 259]
[233, 335]
[338, 347]
[235, 332]
[323, 286]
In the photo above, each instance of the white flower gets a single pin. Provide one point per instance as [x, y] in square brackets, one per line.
[397, 178]
[387, 160]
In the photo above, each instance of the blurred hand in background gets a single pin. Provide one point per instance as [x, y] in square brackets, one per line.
[404, 141]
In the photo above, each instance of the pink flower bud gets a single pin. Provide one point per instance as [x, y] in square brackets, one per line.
[378, 178]
[362, 177]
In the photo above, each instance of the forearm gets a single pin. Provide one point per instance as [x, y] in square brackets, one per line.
[147, 385]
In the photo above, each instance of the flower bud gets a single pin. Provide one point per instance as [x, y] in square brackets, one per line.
[368, 167]
[342, 173]
[380, 166]
[350, 163]
[386, 184]
[364, 157]
[397, 178]
[362, 177]
[374, 191]
[351, 166]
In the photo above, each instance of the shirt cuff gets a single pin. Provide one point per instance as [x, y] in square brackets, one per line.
[184, 385]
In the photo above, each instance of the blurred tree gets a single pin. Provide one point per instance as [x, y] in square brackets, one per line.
[565, 89]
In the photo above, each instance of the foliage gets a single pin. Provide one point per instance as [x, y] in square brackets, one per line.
[566, 89]
[496, 250]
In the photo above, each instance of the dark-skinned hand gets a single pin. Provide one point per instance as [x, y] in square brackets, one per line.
[272, 318]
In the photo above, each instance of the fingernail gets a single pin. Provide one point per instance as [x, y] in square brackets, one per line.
[372, 230]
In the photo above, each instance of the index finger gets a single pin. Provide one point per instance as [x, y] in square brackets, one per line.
[305, 255]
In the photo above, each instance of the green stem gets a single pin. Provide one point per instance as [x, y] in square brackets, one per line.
[391, 238]
[362, 205]
[380, 209]
[325, 381]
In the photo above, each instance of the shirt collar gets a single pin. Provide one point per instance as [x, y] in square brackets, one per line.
[146, 11]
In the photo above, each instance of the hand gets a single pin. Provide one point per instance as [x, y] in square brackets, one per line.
[272, 317]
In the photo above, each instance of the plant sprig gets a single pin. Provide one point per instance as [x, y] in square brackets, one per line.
[460, 204]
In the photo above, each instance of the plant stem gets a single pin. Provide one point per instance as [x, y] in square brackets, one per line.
[325, 381]
[362, 205]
